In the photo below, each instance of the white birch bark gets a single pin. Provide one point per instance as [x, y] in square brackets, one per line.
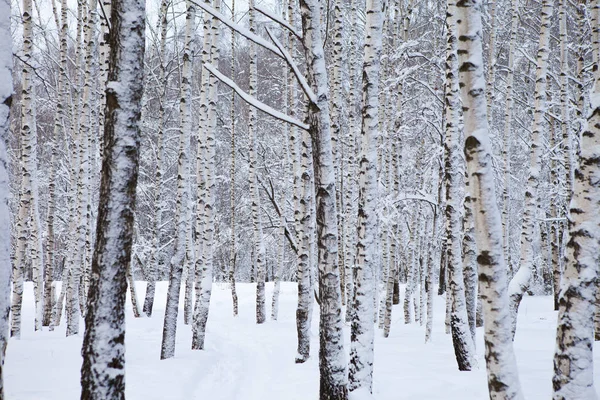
[508, 117]
[182, 214]
[158, 172]
[520, 282]
[254, 194]
[206, 159]
[232, 203]
[454, 174]
[6, 92]
[364, 274]
[332, 363]
[573, 358]
[103, 369]
[503, 380]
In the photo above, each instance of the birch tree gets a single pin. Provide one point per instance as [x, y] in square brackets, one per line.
[573, 357]
[461, 337]
[364, 272]
[103, 369]
[182, 214]
[503, 379]
[520, 282]
[6, 92]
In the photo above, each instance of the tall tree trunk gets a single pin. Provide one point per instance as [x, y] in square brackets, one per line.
[206, 176]
[182, 214]
[332, 363]
[508, 116]
[254, 194]
[158, 172]
[573, 358]
[364, 274]
[520, 282]
[5, 102]
[454, 173]
[103, 369]
[503, 380]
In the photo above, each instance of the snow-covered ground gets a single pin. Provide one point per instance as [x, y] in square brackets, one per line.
[245, 361]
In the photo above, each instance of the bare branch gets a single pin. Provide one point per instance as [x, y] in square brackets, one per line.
[254, 102]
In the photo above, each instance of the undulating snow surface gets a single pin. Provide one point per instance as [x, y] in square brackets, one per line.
[246, 361]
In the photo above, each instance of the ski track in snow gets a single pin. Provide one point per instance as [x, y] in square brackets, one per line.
[245, 361]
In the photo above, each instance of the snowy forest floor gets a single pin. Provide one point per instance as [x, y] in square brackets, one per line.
[246, 361]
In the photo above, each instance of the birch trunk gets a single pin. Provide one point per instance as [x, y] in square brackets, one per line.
[182, 214]
[508, 117]
[6, 92]
[454, 174]
[103, 350]
[206, 164]
[520, 282]
[503, 380]
[332, 363]
[364, 274]
[158, 172]
[255, 196]
[573, 358]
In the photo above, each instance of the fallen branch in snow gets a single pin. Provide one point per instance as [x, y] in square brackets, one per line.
[254, 102]
[279, 21]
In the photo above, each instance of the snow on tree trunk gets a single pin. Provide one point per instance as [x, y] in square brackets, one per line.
[74, 305]
[59, 118]
[364, 274]
[469, 260]
[206, 182]
[520, 282]
[332, 359]
[254, 194]
[573, 358]
[158, 172]
[454, 174]
[6, 92]
[28, 218]
[503, 380]
[103, 350]
[182, 210]
[232, 202]
[508, 117]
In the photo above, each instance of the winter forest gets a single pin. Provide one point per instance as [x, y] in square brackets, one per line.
[332, 199]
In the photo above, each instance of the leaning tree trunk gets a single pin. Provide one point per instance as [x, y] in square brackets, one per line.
[503, 379]
[461, 335]
[520, 282]
[6, 92]
[182, 214]
[573, 358]
[103, 369]
[364, 273]
[332, 359]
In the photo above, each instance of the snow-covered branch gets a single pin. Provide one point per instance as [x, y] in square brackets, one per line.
[238, 28]
[280, 21]
[303, 83]
[254, 102]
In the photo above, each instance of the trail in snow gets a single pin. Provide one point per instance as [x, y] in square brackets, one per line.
[245, 361]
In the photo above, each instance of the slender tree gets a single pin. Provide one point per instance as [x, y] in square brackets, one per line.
[103, 369]
[503, 379]
[573, 358]
[6, 92]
